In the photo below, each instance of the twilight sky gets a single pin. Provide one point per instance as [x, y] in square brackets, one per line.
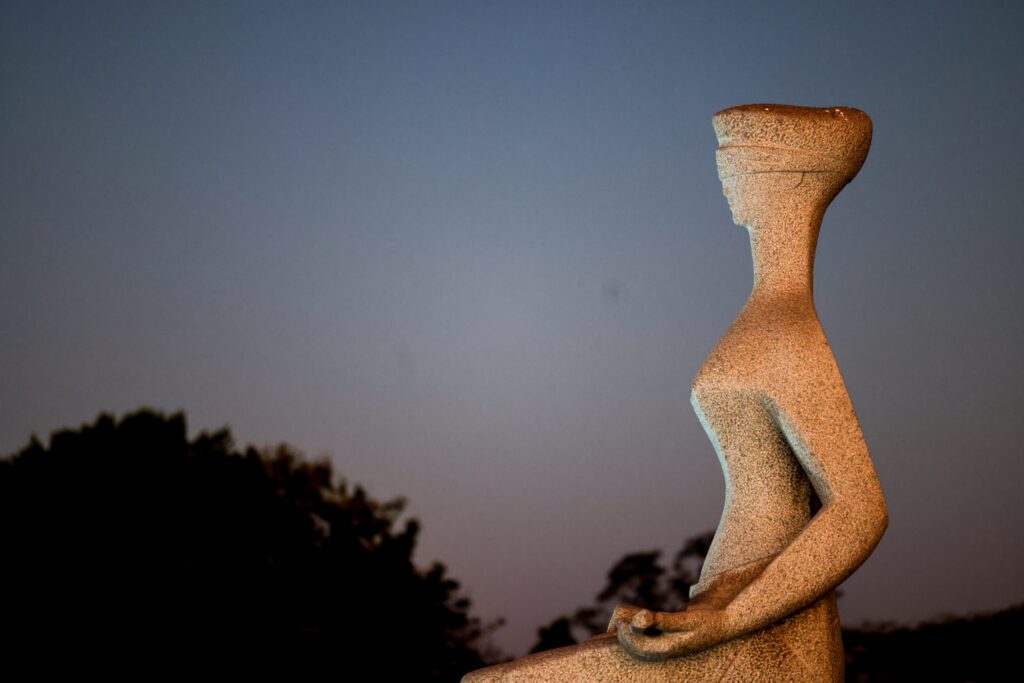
[475, 253]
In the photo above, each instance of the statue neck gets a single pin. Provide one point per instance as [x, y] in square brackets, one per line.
[783, 253]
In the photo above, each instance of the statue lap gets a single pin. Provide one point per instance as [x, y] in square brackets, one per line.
[804, 647]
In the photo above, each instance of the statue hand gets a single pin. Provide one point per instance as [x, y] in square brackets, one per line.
[655, 636]
[623, 614]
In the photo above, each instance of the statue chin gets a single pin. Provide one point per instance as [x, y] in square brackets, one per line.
[738, 218]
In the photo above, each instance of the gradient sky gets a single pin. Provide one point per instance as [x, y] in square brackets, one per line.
[475, 253]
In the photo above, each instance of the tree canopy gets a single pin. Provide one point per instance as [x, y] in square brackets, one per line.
[126, 544]
[636, 579]
[125, 536]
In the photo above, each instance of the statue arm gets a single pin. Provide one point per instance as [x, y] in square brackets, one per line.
[819, 422]
[821, 426]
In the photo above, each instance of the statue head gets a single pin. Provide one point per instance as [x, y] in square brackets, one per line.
[774, 157]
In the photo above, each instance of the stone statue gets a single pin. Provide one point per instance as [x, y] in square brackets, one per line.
[803, 505]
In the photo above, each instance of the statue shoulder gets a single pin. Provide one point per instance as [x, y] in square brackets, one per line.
[763, 349]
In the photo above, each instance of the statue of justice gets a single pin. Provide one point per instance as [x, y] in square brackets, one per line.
[803, 504]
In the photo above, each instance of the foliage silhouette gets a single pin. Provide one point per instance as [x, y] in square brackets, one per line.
[127, 537]
[974, 648]
[636, 579]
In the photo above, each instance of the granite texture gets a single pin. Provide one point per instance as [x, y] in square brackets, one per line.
[803, 505]
[767, 656]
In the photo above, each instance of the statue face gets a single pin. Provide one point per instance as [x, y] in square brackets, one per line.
[742, 192]
[753, 195]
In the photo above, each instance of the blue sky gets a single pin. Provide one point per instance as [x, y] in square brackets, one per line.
[475, 252]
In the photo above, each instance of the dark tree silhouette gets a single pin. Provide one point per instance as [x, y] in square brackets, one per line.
[974, 648]
[125, 538]
[636, 579]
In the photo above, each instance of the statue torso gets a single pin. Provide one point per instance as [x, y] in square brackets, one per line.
[768, 495]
